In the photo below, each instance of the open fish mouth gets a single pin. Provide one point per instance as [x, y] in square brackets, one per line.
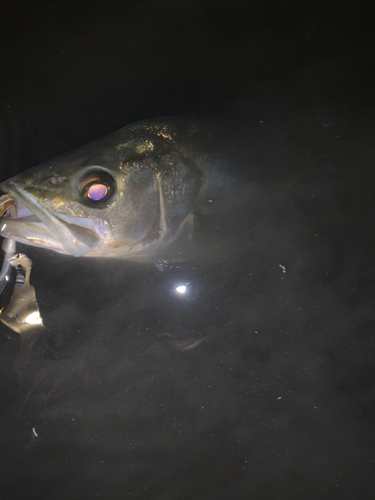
[36, 225]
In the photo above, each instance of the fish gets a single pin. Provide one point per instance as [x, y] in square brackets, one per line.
[131, 194]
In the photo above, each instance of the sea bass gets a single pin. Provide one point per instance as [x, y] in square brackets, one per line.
[130, 194]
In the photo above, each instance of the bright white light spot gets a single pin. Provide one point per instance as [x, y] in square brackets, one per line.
[283, 268]
[181, 289]
[34, 319]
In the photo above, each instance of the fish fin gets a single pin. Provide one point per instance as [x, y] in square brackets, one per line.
[180, 186]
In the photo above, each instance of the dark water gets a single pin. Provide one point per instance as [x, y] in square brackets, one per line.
[258, 382]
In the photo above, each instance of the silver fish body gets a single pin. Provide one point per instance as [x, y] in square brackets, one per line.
[130, 194]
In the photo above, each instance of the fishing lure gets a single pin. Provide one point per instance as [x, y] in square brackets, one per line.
[8, 207]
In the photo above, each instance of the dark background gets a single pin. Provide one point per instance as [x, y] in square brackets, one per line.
[277, 402]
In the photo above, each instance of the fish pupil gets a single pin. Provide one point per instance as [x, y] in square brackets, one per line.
[97, 188]
[97, 192]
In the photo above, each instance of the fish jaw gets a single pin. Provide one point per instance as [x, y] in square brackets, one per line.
[69, 235]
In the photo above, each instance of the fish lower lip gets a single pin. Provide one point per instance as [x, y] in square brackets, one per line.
[24, 214]
[30, 233]
[74, 235]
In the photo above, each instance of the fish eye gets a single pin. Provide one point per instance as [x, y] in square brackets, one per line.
[97, 188]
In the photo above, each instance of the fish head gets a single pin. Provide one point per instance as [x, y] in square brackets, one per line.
[126, 195]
